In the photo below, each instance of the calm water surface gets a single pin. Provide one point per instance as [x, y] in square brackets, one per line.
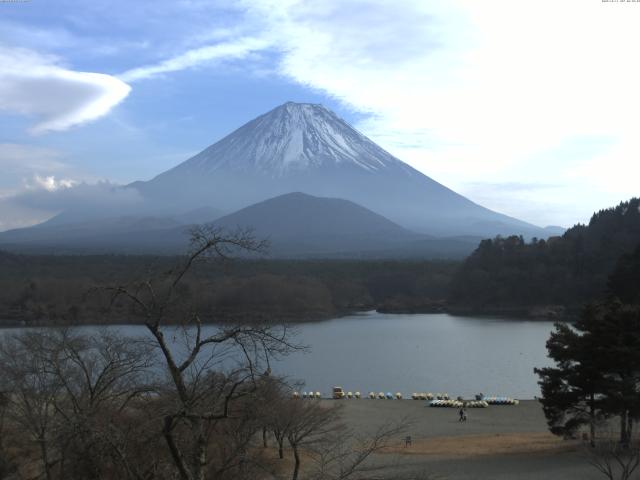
[416, 353]
[423, 353]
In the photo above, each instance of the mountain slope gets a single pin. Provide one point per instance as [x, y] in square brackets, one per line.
[299, 214]
[69, 230]
[297, 226]
[127, 234]
[307, 148]
[297, 223]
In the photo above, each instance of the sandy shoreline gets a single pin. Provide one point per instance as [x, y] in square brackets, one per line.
[510, 442]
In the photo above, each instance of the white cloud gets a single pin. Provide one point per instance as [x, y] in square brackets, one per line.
[485, 92]
[50, 184]
[38, 183]
[19, 163]
[57, 97]
[236, 49]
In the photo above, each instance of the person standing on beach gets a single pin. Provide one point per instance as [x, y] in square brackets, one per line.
[463, 414]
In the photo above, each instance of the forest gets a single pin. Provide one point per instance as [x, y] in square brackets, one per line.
[567, 271]
[54, 289]
[552, 277]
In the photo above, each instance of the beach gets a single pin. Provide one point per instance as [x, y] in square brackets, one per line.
[498, 442]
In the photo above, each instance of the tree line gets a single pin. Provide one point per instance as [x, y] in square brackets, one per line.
[570, 270]
[51, 289]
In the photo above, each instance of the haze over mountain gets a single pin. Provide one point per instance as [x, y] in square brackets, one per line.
[300, 147]
[296, 225]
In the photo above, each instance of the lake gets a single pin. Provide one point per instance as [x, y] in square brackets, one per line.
[416, 353]
[422, 353]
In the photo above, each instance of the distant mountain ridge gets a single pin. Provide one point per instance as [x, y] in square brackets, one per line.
[296, 224]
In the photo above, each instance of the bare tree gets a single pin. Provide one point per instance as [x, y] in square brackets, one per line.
[69, 392]
[7, 463]
[308, 423]
[202, 395]
[344, 453]
[31, 391]
[613, 459]
[279, 423]
[271, 399]
[101, 375]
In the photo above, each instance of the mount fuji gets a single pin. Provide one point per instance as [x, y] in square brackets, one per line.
[298, 175]
[301, 147]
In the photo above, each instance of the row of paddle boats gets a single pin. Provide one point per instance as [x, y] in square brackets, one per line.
[385, 396]
[484, 403]
[500, 400]
[437, 400]
[297, 395]
[458, 404]
[430, 396]
[350, 395]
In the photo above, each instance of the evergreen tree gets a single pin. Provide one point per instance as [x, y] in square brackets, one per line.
[617, 329]
[597, 373]
[624, 282]
[570, 391]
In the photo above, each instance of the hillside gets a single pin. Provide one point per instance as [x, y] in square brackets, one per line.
[333, 222]
[570, 270]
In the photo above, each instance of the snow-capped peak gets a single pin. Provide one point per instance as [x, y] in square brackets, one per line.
[292, 137]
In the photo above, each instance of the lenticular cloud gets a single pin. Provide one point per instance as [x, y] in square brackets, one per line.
[58, 98]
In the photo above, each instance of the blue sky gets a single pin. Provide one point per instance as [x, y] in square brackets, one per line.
[529, 109]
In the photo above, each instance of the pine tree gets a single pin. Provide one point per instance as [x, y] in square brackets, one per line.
[617, 328]
[570, 391]
[624, 282]
[597, 373]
